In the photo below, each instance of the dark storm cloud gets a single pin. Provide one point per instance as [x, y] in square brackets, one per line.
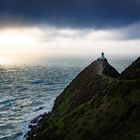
[70, 13]
[130, 32]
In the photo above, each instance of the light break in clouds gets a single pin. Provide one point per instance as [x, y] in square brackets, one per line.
[49, 41]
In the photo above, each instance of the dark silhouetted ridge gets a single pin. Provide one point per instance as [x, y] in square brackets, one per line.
[108, 69]
[132, 72]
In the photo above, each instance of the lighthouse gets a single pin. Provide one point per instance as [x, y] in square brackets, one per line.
[102, 56]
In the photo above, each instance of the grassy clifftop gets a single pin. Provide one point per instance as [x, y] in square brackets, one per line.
[95, 106]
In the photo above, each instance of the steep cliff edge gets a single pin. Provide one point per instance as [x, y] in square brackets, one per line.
[132, 72]
[95, 106]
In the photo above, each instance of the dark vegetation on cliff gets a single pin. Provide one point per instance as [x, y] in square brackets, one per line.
[99, 104]
[132, 72]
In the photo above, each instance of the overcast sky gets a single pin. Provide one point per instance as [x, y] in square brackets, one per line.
[69, 27]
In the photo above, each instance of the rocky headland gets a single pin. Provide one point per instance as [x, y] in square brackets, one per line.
[99, 104]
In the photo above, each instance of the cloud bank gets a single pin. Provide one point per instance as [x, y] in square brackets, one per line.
[70, 13]
[69, 27]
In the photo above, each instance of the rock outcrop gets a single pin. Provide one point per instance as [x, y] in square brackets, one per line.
[99, 104]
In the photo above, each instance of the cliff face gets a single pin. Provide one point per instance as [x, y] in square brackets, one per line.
[132, 72]
[107, 69]
[87, 84]
[95, 106]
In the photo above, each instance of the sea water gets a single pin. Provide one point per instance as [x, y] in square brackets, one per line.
[27, 91]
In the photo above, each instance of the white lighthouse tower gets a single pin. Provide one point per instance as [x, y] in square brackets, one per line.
[102, 55]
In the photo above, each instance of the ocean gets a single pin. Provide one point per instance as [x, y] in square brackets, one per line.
[27, 91]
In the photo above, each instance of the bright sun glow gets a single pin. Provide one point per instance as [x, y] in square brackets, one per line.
[5, 60]
[18, 45]
[16, 37]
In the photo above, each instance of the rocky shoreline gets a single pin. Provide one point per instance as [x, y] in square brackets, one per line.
[36, 124]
